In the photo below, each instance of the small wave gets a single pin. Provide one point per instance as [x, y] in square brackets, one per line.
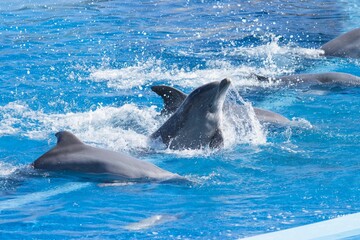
[40, 196]
[301, 123]
[150, 222]
[116, 184]
[204, 180]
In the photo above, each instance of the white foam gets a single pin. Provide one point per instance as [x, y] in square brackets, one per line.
[123, 128]
[145, 73]
[242, 127]
[338, 228]
[19, 201]
[274, 59]
[152, 71]
[150, 222]
[7, 169]
[301, 123]
[116, 184]
[273, 49]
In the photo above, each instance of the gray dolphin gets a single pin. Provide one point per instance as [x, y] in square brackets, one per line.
[330, 78]
[196, 122]
[345, 45]
[173, 98]
[70, 154]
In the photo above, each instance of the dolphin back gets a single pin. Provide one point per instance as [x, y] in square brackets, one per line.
[70, 154]
[346, 45]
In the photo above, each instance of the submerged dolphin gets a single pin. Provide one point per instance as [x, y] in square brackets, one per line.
[71, 154]
[345, 45]
[196, 122]
[331, 78]
[173, 98]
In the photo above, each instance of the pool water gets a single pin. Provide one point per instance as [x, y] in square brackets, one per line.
[87, 67]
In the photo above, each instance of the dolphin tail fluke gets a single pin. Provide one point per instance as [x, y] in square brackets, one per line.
[172, 98]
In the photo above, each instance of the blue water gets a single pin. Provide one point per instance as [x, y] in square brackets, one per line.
[87, 67]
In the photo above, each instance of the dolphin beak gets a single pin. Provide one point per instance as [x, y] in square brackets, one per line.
[220, 95]
[224, 85]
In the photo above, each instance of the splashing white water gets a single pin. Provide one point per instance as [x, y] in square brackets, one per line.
[123, 128]
[243, 126]
[273, 48]
[148, 72]
[274, 60]
[6, 169]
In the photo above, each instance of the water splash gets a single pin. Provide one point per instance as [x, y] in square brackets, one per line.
[125, 128]
[273, 48]
[7, 169]
[150, 71]
[271, 59]
[243, 127]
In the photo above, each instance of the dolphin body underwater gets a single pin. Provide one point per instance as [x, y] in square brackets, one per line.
[70, 154]
[196, 123]
[173, 98]
[316, 79]
[345, 45]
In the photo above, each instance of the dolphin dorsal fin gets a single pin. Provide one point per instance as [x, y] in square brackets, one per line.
[172, 98]
[65, 138]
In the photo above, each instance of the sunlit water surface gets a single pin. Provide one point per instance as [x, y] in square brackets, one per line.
[87, 67]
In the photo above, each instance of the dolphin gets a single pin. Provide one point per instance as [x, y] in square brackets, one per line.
[70, 154]
[345, 45]
[196, 122]
[329, 78]
[173, 98]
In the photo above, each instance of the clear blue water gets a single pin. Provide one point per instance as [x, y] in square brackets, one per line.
[87, 67]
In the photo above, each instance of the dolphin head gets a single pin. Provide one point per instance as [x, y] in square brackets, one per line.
[196, 123]
[201, 116]
[208, 98]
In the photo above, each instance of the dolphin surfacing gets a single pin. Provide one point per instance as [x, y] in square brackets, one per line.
[173, 98]
[328, 78]
[70, 154]
[196, 123]
[345, 45]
